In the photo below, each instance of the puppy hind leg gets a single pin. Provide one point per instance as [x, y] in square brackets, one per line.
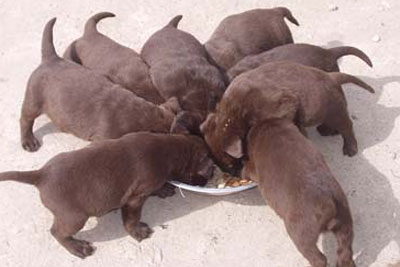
[64, 228]
[344, 237]
[345, 128]
[131, 213]
[342, 228]
[343, 124]
[30, 111]
[305, 237]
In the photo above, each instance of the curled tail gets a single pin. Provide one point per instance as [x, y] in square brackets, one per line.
[27, 177]
[174, 21]
[343, 231]
[48, 50]
[342, 78]
[91, 23]
[348, 50]
[287, 14]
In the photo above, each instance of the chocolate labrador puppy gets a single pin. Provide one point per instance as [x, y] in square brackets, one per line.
[305, 95]
[84, 102]
[296, 182]
[247, 33]
[179, 68]
[120, 64]
[113, 174]
[306, 54]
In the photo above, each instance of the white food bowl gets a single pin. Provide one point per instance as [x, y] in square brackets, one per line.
[213, 191]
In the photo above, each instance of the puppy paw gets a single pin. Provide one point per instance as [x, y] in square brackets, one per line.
[30, 144]
[324, 130]
[142, 231]
[80, 248]
[350, 150]
[167, 190]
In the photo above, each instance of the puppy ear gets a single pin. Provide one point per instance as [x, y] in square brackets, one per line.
[186, 123]
[212, 101]
[288, 105]
[172, 104]
[287, 100]
[206, 170]
[235, 148]
[178, 126]
[207, 122]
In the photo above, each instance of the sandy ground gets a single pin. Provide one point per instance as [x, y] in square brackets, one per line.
[237, 230]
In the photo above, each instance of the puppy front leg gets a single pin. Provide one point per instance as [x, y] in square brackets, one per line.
[131, 213]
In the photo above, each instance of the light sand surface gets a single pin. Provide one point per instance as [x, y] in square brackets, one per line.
[237, 230]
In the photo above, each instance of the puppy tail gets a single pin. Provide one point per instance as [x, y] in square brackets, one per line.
[175, 21]
[48, 50]
[287, 14]
[91, 23]
[342, 78]
[348, 50]
[342, 228]
[27, 177]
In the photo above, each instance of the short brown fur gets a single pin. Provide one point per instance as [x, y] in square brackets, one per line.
[288, 90]
[113, 174]
[179, 67]
[305, 54]
[296, 182]
[85, 103]
[122, 65]
[248, 33]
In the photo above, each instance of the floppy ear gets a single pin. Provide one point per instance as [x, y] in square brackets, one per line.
[186, 123]
[212, 102]
[287, 100]
[288, 104]
[206, 123]
[235, 148]
[172, 104]
[179, 126]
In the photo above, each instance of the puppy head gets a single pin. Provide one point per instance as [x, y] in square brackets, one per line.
[217, 141]
[201, 167]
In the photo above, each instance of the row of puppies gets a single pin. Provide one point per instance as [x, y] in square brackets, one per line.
[160, 70]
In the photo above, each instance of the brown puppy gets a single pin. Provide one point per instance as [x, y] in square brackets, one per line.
[247, 33]
[309, 55]
[179, 68]
[120, 64]
[113, 174]
[288, 90]
[296, 182]
[83, 102]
